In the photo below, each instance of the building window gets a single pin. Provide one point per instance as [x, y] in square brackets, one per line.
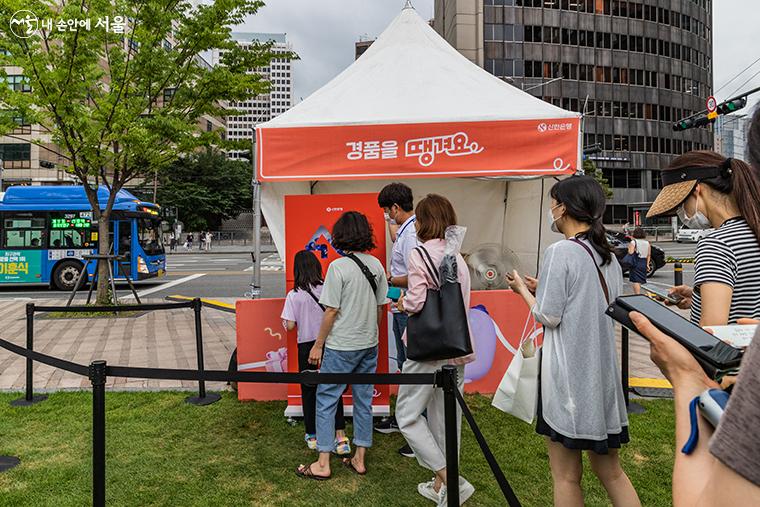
[17, 83]
[19, 151]
[209, 126]
[616, 214]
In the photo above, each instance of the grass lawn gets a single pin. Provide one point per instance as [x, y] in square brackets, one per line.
[162, 451]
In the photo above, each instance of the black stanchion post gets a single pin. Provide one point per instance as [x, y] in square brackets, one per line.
[98, 379]
[449, 385]
[203, 398]
[631, 407]
[677, 274]
[29, 398]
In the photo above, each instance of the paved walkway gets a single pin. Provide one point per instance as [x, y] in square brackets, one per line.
[160, 339]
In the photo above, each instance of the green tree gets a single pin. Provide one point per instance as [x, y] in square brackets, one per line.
[206, 188]
[591, 169]
[124, 105]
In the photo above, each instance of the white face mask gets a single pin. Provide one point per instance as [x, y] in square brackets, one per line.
[697, 221]
[553, 221]
[389, 219]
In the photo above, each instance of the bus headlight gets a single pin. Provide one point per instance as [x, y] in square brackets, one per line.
[142, 267]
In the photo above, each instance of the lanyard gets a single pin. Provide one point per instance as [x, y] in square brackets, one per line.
[410, 222]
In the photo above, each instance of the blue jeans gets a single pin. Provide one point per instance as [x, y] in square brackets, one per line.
[399, 326]
[345, 361]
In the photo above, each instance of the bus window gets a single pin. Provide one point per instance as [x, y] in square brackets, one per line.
[67, 239]
[149, 232]
[24, 230]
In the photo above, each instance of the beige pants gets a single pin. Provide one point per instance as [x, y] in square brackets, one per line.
[426, 436]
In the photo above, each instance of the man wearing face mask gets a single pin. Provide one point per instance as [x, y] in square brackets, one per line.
[708, 190]
[397, 202]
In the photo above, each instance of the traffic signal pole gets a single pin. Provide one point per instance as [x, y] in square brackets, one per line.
[703, 118]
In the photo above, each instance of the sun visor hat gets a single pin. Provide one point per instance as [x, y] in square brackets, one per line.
[678, 184]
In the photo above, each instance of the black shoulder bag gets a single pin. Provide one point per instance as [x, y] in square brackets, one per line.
[316, 299]
[367, 272]
[602, 281]
[440, 330]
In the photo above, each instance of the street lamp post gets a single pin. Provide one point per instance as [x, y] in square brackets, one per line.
[2, 170]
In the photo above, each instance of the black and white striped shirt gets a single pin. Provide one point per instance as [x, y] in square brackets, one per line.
[731, 256]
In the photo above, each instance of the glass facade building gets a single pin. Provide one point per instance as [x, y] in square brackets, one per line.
[632, 68]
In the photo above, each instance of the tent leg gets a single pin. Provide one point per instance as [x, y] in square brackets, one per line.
[255, 292]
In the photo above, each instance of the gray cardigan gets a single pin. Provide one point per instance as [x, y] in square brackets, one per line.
[581, 390]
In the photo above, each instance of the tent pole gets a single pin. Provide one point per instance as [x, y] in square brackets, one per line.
[255, 291]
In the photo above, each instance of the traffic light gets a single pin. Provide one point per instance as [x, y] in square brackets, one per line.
[691, 122]
[732, 105]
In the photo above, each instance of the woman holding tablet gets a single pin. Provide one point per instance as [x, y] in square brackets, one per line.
[708, 190]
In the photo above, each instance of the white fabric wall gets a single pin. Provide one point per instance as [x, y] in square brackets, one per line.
[480, 206]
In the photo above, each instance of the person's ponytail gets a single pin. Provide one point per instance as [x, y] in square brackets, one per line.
[584, 200]
[597, 236]
[745, 183]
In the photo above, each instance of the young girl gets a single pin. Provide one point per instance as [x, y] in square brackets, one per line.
[302, 310]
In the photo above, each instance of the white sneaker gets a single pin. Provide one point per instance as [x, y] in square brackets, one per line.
[465, 490]
[427, 489]
[443, 500]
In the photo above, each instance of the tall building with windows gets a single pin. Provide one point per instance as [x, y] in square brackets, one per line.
[731, 135]
[261, 108]
[633, 67]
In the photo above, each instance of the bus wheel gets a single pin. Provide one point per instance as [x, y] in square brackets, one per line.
[66, 275]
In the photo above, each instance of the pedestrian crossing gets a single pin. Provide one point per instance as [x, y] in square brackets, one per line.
[270, 262]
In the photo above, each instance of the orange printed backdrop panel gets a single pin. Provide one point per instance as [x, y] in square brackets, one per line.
[496, 315]
[309, 220]
[262, 345]
[488, 148]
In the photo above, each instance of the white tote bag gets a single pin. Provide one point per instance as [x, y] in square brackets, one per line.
[518, 391]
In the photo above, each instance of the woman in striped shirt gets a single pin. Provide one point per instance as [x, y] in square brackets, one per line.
[707, 190]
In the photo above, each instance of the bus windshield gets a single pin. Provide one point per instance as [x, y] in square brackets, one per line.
[149, 234]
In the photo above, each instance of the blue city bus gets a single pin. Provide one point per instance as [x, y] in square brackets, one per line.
[46, 230]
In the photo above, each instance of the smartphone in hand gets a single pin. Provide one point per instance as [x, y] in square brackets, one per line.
[662, 294]
[394, 293]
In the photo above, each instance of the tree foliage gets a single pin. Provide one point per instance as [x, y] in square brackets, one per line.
[591, 169]
[123, 105]
[206, 188]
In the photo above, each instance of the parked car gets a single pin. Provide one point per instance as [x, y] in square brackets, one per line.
[686, 235]
[619, 242]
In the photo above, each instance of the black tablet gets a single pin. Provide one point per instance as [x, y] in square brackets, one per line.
[715, 356]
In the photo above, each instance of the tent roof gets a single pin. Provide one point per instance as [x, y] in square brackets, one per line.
[410, 74]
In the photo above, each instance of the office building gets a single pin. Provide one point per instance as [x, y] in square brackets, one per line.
[633, 68]
[261, 108]
[731, 135]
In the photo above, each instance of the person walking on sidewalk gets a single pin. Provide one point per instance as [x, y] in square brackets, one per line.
[425, 433]
[209, 237]
[641, 251]
[397, 202]
[354, 295]
[302, 310]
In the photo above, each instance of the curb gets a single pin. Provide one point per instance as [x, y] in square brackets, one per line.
[204, 252]
[208, 303]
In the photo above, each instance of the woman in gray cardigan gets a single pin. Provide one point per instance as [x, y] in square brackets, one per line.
[580, 402]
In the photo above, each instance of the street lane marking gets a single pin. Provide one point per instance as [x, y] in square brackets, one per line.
[165, 286]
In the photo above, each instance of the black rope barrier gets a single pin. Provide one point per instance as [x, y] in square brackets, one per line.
[446, 378]
[116, 308]
[506, 489]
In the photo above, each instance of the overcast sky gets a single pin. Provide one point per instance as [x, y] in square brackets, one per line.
[323, 33]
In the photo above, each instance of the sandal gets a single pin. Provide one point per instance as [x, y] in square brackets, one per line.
[311, 441]
[306, 472]
[342, 447]
[350, 465]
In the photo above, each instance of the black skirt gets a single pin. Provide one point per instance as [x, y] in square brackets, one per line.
[613, 441]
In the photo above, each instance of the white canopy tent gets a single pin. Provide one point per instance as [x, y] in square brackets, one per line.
[476, 139]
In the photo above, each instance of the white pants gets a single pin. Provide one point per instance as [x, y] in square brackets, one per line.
[426, 436]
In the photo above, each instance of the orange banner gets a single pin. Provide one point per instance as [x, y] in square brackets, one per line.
[489, 148]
